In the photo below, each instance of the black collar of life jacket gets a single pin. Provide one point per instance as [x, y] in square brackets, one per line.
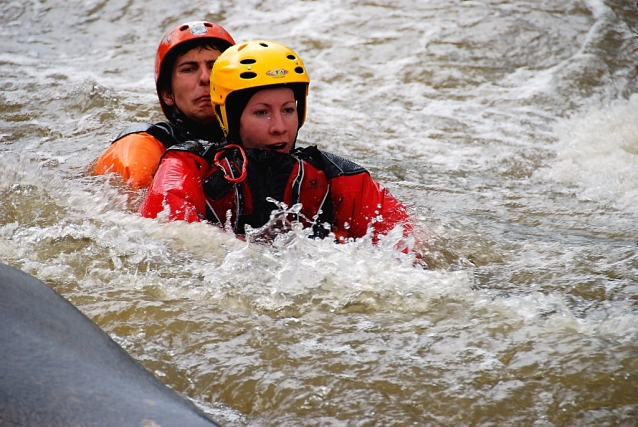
[266, 179]
[267, 175]
[266, 170]
[271, 161]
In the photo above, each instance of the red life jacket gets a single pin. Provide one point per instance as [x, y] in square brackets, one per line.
[270, 179]
[216, 184]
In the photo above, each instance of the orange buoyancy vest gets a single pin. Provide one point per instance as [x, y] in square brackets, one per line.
[136, 152]
[135, 158]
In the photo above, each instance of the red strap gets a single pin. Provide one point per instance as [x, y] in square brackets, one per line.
[228, 175]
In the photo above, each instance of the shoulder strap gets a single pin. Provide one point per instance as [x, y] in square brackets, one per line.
[195, 146]
[162, 131]
[134, 128]
[332, 165]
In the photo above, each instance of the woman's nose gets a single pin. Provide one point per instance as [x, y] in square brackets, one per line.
[277, 124]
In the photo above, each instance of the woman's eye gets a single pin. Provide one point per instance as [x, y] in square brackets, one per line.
[261, 113]
[289, 110]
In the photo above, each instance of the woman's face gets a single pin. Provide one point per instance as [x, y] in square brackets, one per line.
[269, 121]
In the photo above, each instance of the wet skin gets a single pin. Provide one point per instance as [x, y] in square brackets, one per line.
[190, 84]
[269, 120]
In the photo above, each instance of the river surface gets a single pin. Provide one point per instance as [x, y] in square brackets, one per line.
[509, 128]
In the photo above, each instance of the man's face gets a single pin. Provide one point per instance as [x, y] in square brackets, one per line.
[190, 83]
[269, 121]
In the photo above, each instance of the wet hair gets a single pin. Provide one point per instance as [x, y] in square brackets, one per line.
[236, 103]
[164, 81]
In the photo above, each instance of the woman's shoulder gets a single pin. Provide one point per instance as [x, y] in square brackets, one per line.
[332, 164]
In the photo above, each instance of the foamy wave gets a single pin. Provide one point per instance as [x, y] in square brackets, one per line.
[599, 154]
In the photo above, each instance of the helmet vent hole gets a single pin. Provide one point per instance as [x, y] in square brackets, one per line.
[183, 28]
[263, 44]
[247, 61]
[299, 70]
[248, 75]
[208, 24]
[291, 57]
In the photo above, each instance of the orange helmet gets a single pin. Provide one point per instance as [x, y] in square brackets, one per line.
[195, 32]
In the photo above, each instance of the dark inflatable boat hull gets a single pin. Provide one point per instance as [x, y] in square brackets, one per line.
[57, 368]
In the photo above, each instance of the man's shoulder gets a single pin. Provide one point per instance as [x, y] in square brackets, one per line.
[134, 128]
[165, 132]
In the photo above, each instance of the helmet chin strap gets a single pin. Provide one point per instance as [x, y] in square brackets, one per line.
[294, 143]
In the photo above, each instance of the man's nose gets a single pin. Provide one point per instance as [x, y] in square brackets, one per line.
[204, 76]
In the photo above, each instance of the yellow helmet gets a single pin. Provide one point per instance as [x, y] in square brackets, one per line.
[252, 65]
